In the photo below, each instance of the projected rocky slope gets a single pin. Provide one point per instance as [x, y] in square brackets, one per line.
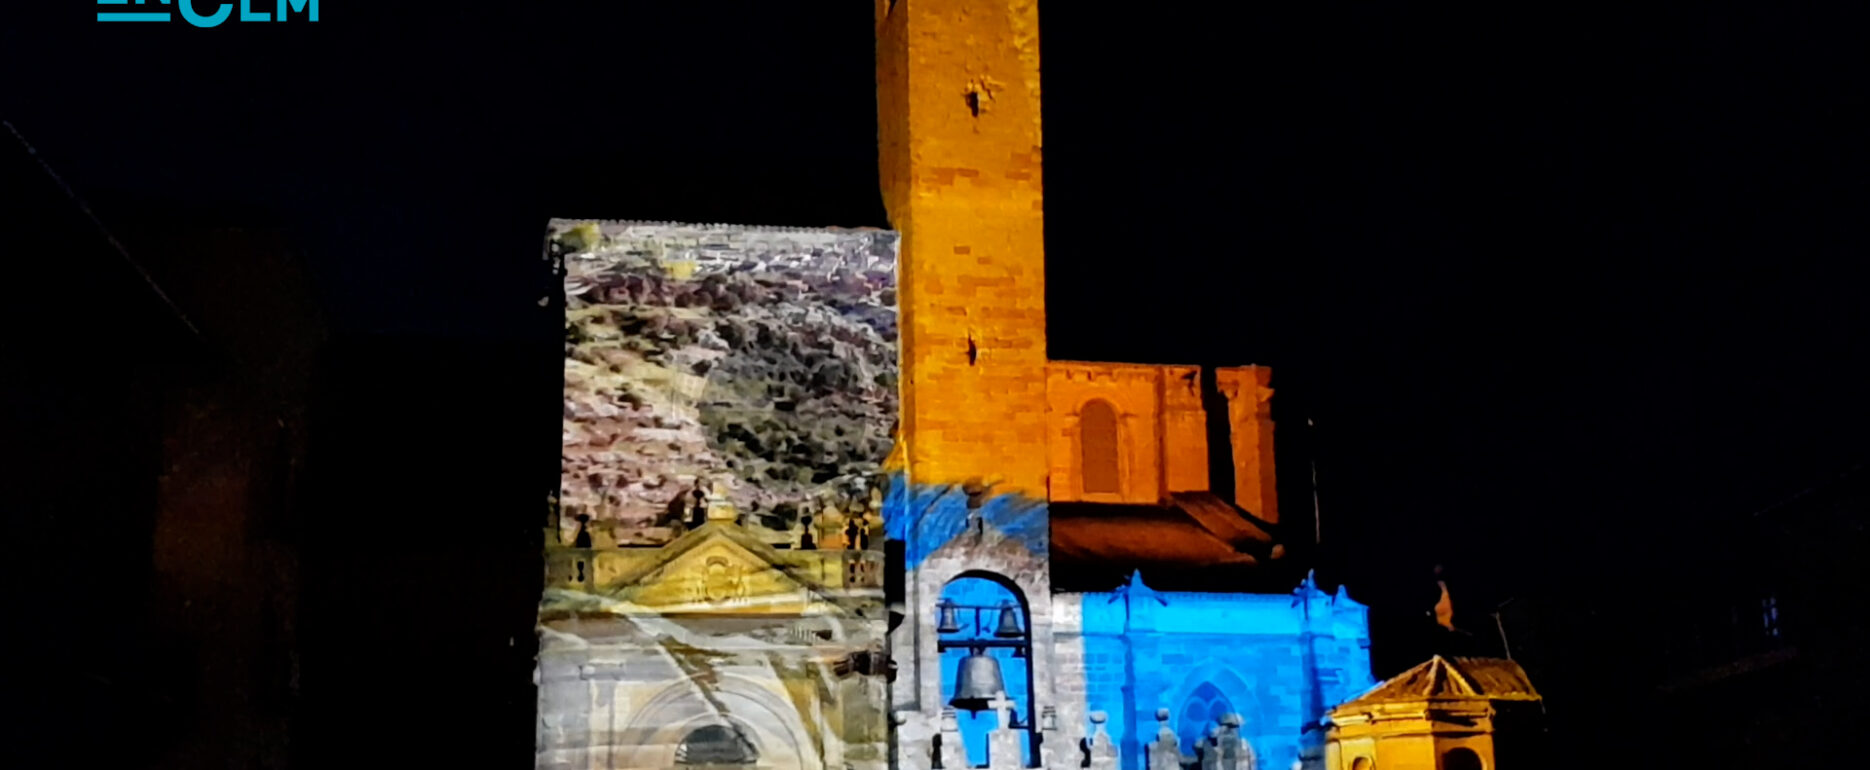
[764, 359]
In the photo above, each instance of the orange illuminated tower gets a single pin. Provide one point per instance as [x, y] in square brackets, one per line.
[959, 137]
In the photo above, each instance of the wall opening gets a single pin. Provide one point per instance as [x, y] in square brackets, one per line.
[978, 602]
[1097, 446]
[1461, 759]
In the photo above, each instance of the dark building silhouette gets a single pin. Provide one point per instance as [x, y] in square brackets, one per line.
[154, 391]
[1736, 644]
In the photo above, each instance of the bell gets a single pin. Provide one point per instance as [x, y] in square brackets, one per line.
[1009, 623]
[977, 682]
[950, 618]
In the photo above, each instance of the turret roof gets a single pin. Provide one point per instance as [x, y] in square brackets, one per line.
[1442, 679]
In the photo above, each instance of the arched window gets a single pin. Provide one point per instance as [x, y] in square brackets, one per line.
[1461, 759]
[716, 745]
[1097, 445]
[1200, 713]
[1362, 763]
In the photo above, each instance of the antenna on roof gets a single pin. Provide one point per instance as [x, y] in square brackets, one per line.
[1318, 523]
[1499, 623]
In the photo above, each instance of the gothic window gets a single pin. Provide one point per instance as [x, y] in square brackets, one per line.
[1769, 615]
[716, 745]
[1461, 759]
[1202, 711]
[1097, 443]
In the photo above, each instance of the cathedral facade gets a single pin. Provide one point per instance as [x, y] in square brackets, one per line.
[827, 503]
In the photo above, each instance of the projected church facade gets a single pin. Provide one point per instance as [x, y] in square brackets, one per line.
[827, 502]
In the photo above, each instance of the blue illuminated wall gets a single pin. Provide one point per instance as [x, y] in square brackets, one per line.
[925, 517]
[1280, 661]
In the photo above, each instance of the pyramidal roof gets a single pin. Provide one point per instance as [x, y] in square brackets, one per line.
[1457, 679]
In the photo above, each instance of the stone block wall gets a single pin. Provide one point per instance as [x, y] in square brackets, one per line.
[1142, 651]
[980, 551]
[1250, 423]
[1134, 392]
[959, 136]
[1071, 659]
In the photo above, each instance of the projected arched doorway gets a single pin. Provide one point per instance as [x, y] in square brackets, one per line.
[717, 722]
[717, 745]
[981, 613]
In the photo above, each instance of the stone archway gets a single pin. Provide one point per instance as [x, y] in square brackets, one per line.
[984, 594]
[667, 721]
[987, 552]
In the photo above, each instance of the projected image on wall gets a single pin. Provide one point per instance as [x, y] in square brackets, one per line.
[715, 550]
[757, 364]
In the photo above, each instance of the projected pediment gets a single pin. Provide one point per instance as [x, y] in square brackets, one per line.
[711, 572]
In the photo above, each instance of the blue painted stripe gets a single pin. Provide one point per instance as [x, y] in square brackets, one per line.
[132, 16]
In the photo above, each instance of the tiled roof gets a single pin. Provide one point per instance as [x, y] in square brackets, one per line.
[1136, 534]
[1221, 517]
[1454, 679]
[1194, 538]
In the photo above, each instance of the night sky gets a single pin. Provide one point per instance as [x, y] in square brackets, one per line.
[1553, 282]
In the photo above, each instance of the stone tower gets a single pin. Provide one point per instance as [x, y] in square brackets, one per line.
[959, 152]
[958, 125]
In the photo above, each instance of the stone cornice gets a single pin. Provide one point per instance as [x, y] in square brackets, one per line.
[1091, 371]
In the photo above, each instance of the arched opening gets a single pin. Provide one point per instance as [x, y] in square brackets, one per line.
[1097, 447]
[681, 714]
[1200, 712]
[1461, 759]
[984, 614]
[1362, 763]
[1210, 689]
[717, 745]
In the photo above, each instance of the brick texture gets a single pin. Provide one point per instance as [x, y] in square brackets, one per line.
[959, 138]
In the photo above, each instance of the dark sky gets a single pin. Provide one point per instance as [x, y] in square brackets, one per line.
[1548, 278]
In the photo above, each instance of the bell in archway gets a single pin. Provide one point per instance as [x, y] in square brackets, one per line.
[977, 682]
[950, 618]
[1009, 623]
